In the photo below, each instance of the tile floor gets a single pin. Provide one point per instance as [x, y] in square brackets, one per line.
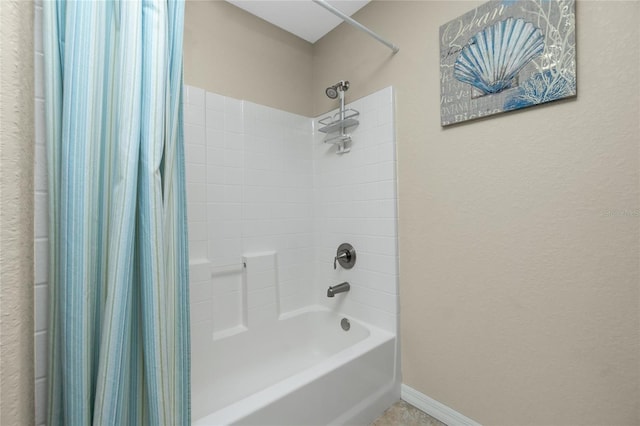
[404, 414]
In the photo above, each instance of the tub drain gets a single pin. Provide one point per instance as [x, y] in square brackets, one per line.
[345, 324]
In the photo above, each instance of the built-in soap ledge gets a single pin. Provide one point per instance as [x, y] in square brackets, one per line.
[228, 268]
[200, 266]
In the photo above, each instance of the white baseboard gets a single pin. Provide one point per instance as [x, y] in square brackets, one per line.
[434, 408]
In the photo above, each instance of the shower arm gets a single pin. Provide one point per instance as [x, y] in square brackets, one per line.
[356, 24]
[341, 92]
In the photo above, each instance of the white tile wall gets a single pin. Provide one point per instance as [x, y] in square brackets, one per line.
[355, 202]
[269, 184]
[41, 229]
[254, 194]
[261, 286]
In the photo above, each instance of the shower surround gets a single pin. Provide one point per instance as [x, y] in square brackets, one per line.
[264, 191]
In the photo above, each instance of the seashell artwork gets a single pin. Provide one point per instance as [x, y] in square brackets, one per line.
[493, 57]
[506, 55]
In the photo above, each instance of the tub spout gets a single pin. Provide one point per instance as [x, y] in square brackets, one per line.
[340, 288]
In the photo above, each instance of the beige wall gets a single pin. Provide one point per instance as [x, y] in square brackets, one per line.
[16, 213]
[231, 52]
[519, 292]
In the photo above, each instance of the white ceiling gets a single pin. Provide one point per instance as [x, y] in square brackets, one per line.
[303, 18]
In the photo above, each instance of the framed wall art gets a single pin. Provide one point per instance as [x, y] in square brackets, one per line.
[506, 55]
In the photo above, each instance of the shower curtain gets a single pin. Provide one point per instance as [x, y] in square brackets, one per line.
[118, 261]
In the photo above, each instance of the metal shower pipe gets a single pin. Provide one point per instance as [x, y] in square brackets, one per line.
[356, 24]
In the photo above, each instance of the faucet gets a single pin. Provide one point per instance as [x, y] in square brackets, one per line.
[340, 288]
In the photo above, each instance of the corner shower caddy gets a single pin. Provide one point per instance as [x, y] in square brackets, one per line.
[336, 126]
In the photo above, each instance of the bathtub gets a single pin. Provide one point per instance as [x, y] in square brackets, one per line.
[302, 370]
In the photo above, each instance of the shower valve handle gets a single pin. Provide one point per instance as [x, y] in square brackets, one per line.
[342, 255]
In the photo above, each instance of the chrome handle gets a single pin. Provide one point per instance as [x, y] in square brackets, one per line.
[342, 255]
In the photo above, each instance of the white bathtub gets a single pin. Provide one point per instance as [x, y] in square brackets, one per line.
[303, 370]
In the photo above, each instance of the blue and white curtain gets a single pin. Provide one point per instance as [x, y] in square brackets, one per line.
[118, 262]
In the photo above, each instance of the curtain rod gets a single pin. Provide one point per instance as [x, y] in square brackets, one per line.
[356, 24]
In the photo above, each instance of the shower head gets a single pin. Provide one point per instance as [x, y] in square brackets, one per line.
[331, 92]
[341, 86]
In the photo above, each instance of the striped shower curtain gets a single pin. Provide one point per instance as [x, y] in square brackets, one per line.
[118, 261]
